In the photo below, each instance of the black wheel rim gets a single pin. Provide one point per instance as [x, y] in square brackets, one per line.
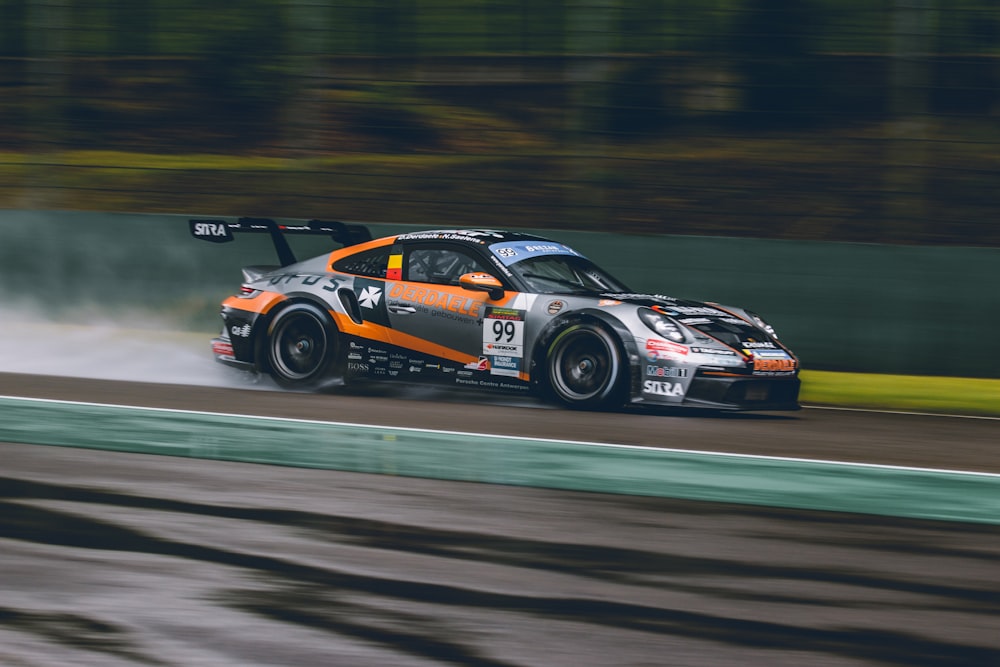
[298, 347]
[582, 365]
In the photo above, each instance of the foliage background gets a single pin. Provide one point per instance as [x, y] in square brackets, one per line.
[848, 120]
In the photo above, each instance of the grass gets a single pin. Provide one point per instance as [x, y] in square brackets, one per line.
[951, 395]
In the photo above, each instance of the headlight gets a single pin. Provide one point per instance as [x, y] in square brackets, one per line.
[756, 319]
[661, 325]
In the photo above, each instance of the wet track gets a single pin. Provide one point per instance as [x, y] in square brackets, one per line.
[109, 558]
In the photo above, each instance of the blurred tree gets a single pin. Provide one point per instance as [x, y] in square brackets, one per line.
[390, 26]
[240, 48]
[773, 45]
[132, 25]
[13, 28]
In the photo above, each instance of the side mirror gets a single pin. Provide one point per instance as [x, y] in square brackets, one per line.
[482, 282]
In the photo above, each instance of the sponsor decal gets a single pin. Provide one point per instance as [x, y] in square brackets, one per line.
[503, 332]
[712, 350]
[499, 265]
[332, 283]
[697, 310]
[657, 348]
[555, 306]
[662, 388]
[240, 332]
[511, 350]
[504, 314]
[415, 369]
[771, 354]
[222, 349]
[482, 365]
[757, 345]
[492, 384]
[666, 372]
[450, 316]
[436, 302]
[370, 296]
[767, 365]
[356, 346]
[629, 296]
[211, 230]
[505, 365]
[354, 356]
[510, 252]
[696, 320]
[604, 303]
[470, 235]
[357, 367]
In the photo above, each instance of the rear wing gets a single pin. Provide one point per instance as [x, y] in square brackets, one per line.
[221, 231]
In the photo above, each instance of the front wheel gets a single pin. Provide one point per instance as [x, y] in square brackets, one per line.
[585, 368]
[302, 347]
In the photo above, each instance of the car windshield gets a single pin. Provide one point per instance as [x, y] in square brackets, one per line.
[565, 274]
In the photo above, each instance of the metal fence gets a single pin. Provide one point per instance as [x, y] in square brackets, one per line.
[864, 120]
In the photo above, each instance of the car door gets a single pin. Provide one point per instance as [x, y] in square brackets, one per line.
[430, 314]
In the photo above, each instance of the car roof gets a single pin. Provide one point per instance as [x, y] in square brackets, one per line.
[473, 237]
[480, 238]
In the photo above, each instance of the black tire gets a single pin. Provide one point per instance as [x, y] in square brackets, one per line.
[585, 367]
[302, 347]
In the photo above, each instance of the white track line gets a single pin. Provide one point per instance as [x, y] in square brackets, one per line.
[407, 429]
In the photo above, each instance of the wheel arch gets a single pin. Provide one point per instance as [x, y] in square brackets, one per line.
[621, 333]
[263, 325]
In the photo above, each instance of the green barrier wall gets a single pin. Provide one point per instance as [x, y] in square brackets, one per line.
[814, 485]
[841, 306]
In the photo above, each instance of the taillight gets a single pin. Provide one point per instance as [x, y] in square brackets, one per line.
[246, 290]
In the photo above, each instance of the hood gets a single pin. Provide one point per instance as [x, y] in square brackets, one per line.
[734, 327]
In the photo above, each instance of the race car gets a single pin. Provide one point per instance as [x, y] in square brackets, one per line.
[491, 310]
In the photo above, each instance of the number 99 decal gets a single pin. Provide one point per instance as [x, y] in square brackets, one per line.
[503, 332]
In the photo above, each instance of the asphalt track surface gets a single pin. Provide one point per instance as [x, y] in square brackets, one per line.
[118, 559]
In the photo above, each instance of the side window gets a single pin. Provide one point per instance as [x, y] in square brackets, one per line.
[441, 266]
[370, 263]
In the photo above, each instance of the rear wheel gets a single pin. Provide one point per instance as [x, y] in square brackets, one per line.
[302, 347]
[585, 368]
